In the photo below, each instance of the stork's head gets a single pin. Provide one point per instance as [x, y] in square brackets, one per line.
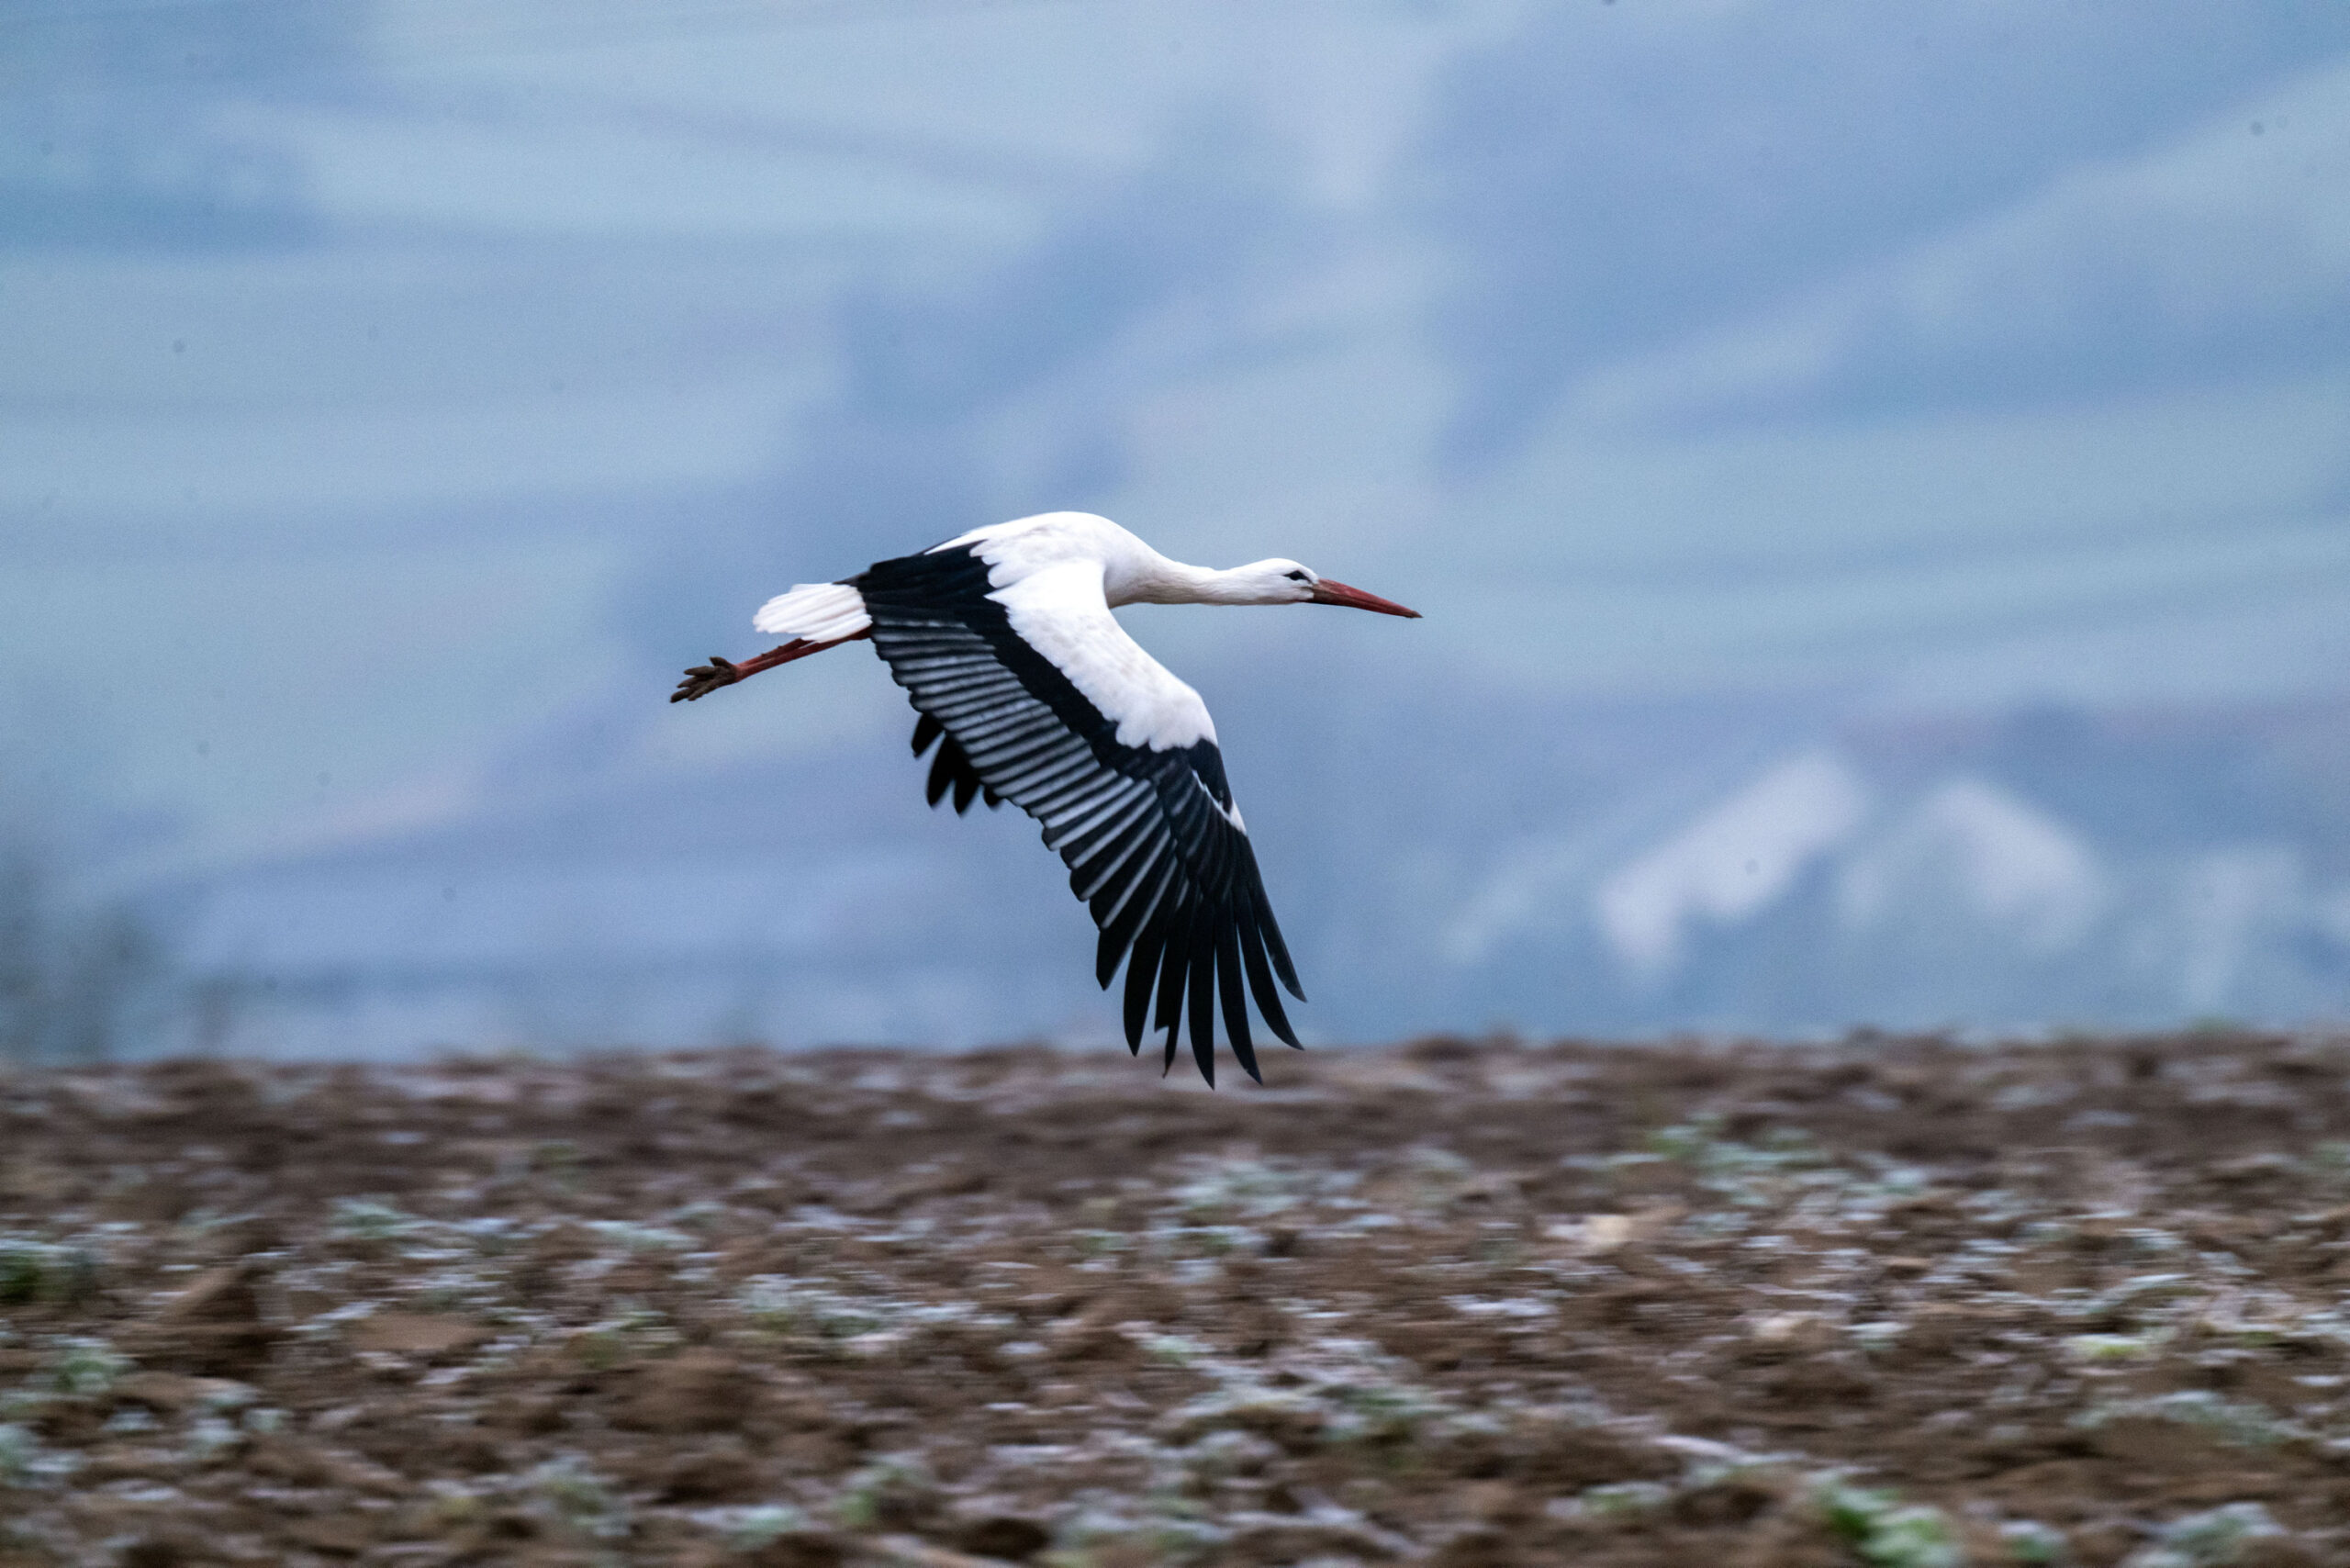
[1279, 581]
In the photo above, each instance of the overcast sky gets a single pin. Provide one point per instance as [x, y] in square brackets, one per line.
[390, 390]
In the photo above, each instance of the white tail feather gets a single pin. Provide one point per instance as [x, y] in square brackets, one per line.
[821, 613]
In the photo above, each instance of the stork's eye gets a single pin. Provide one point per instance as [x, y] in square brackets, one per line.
[1297, 576]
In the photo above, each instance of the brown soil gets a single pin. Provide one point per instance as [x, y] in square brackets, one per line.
[1887, 1302]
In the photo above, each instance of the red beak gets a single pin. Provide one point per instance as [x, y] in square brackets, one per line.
[1329, 592]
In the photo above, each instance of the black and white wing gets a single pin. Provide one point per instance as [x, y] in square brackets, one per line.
[1037, 695]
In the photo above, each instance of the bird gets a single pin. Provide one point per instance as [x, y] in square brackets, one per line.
[1031, 692]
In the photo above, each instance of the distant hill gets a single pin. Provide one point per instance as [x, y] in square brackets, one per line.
[1547, 866]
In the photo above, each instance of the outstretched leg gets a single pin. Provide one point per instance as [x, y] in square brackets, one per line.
[703, 679]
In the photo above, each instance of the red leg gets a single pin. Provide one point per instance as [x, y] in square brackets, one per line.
[703, 679]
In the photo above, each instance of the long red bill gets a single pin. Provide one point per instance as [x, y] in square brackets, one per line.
[1329, 592]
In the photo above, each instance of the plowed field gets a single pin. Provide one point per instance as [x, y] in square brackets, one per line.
[1886, 1302]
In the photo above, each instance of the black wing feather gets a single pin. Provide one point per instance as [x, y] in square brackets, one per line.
[1142, 968]
[942, 776]
[1261, 981]
[1272, 931]
[951, 769]
[1236, 1004]
[1120, 923]
[1202, 998]
[1174, 961]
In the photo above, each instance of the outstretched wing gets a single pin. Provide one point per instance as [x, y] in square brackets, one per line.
[1046, 701]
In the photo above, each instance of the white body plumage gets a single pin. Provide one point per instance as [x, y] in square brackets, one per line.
[1058, 575]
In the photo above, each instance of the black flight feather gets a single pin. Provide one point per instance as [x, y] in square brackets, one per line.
[1236, 1004]
[1202, 998]
[1260, 979]
[942, 776]
[1142, 967]
[1173, 962]
[1273, 943]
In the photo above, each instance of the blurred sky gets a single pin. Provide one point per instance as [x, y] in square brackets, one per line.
[400, 392]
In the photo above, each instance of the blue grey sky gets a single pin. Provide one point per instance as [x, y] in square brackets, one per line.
[397, 395]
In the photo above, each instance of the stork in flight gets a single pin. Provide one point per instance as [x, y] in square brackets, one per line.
[1035, 694]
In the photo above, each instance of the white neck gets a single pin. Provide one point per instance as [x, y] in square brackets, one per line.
[1157, 581]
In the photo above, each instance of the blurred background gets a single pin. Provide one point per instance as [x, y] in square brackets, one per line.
[1877, 479]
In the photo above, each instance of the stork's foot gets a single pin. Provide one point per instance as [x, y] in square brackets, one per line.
[703, 679]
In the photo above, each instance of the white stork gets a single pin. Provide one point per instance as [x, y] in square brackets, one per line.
[1035, 694]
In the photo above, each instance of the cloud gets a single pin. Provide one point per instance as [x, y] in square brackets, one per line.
[2222, 255]
[1614, 180]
